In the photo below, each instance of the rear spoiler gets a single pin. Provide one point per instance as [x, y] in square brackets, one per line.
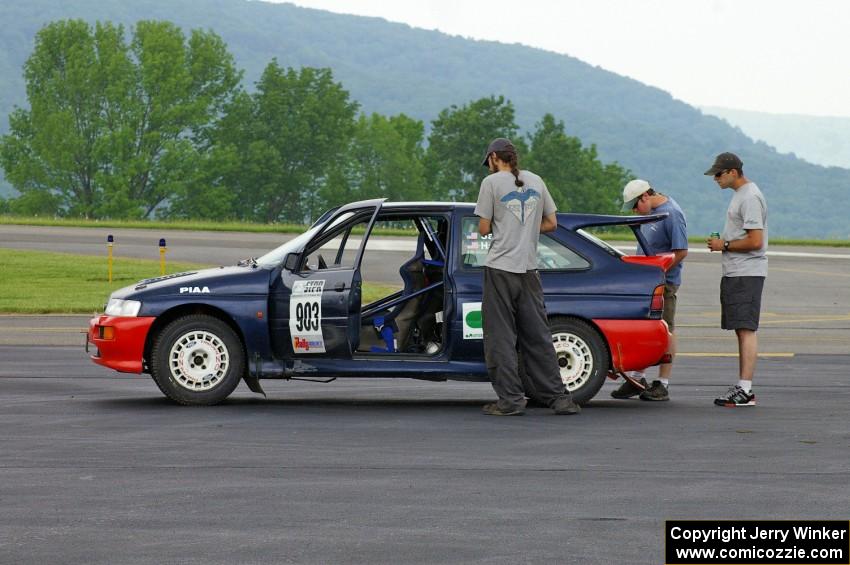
[578, 221]
[662, 260]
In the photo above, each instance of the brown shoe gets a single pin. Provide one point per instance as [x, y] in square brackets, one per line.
[657, 392]
[503, 409]
[565, 406]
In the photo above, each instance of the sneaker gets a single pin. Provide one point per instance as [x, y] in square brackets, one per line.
[565, 406]
[657, 392]
[628, 390]
[736, 396]
[503, 409]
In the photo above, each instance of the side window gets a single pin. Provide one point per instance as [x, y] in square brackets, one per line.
[337, 246]
[552, 255]
[473, 246]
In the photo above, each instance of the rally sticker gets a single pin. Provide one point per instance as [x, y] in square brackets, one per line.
[305, 317]
[473, 328]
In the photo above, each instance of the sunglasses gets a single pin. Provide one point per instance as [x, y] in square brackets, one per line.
[719, 174]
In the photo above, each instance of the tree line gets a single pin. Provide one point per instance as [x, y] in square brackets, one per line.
[160, 126]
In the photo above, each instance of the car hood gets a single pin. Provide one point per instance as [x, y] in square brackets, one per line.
[235, 280]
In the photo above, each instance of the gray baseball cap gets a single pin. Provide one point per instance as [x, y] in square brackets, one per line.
[498, 144]
[724, 162]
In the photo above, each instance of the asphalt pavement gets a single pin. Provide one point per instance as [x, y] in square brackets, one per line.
[98, 467]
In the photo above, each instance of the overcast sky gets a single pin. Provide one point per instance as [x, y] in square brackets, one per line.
[780, 56]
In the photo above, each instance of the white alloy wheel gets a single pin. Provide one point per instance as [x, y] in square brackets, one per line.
[198, 360]
[575, 359]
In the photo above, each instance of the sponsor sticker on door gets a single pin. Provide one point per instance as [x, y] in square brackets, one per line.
[473, 328]
[305, 316]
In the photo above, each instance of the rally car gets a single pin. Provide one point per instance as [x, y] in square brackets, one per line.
[298, 312]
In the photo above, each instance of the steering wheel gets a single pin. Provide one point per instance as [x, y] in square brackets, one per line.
[322, 264]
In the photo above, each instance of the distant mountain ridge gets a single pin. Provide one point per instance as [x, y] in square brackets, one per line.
[817, 139]
[392, 68]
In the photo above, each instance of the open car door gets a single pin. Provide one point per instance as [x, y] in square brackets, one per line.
[317, 307]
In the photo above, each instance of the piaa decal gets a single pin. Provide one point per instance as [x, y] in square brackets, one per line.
[194, 290]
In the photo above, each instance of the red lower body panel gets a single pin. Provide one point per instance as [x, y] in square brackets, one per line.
[634, 344]
[122, 351]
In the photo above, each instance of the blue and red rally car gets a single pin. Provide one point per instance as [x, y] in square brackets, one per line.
[298, 311]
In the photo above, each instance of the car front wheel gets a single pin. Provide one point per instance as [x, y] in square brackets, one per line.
[197, 360]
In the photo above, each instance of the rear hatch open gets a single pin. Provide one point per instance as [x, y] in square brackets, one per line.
[661, 260]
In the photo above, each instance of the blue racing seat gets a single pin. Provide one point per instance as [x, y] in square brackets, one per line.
[399, 318]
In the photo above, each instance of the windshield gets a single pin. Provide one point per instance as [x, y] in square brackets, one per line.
[610, 249]
[276, 256]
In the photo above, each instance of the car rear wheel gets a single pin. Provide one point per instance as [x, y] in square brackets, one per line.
[582, 358]
[197, 360]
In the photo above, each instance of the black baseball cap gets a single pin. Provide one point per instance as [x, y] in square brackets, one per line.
[498, 144]
[724, 162]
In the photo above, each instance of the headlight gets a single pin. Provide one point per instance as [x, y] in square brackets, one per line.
[118, 307]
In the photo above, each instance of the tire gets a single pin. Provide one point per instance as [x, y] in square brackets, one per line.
[582, 358]
[197, 360]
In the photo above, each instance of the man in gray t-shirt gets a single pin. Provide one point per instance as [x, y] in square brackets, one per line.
[515, 215]
[747, 211]
[743, 244]
[515, 206]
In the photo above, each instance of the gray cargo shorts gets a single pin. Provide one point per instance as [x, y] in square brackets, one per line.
[740, 302]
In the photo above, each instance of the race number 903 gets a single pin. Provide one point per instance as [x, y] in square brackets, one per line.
[307, 317]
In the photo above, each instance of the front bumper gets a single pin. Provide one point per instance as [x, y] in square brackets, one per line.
[123, 351]
[635, 344]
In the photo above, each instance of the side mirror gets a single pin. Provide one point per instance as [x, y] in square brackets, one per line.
[291, 261]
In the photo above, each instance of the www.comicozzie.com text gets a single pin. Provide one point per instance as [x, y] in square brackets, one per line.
[744, 533]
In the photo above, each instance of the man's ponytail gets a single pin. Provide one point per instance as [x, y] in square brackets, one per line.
[510, 158]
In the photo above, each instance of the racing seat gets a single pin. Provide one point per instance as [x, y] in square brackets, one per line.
[413, 275]
[401, 317]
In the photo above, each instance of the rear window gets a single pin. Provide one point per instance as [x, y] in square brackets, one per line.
[610, 249]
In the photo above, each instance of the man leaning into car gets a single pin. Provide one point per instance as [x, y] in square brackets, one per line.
[515, 206]
[666, 236]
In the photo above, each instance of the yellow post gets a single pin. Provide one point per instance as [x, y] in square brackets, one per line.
[162, 256]
[109, 241]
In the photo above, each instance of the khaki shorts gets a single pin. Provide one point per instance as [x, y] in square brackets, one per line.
[669, 312]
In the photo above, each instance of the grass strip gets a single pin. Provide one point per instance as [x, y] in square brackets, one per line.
[43, 282]
[178, 225]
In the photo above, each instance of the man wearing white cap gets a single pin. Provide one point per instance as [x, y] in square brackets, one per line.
[668, 235]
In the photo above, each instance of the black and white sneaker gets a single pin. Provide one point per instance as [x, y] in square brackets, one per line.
[629, 389]
[736, 396]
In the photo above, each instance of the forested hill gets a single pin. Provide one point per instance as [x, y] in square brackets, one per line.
[392, 68]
